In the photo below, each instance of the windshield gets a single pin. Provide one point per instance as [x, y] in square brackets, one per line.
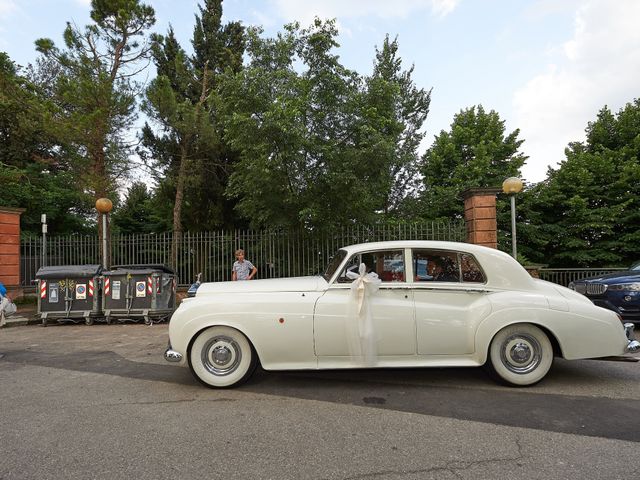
[334, 263]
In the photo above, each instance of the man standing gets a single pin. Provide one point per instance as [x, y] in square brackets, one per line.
[242, 269]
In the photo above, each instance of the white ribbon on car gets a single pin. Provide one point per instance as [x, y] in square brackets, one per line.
[361, 332]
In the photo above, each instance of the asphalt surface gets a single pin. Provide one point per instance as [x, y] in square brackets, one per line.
[99, 401]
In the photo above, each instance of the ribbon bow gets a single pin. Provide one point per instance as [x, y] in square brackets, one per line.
[364, 339]
[362, 284]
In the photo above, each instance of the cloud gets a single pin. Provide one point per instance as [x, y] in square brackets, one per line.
[599, 65]
[7, 7]
[306, 11]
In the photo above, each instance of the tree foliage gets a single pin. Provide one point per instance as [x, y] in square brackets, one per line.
[136, 214]
[393, 113]
[318, 144]
[188, 150]
[94, 89]
[34, 171]
[475, 153]
[587, 212]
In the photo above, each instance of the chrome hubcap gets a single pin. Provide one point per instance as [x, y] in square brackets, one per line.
[221, 355]
[521, 353]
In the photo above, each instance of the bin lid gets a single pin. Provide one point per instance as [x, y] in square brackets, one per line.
[141, 268]
[65, 271]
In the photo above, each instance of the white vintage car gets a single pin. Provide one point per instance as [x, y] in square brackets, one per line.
[394, 304]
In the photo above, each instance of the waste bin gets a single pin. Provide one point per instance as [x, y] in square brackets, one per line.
[69, 292]
[139, 292]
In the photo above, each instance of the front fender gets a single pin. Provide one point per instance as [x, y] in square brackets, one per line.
[279, 326]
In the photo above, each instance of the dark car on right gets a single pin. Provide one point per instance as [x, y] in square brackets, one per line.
[618, 291]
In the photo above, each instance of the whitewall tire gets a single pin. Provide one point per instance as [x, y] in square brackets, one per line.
[520, 355]
[222, 357]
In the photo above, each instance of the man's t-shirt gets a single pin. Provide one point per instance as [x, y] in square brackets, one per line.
[242, 269]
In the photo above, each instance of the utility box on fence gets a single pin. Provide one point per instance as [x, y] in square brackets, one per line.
[69, 292]
[139, 292]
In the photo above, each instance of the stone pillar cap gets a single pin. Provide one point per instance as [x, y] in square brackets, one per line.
[19, 211]
[471, 192]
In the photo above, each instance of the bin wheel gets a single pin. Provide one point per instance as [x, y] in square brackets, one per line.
[89, 321]
[108, 319]
[147, 321]
[44, 322]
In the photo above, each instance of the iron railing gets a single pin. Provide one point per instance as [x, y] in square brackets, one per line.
[564, 276]
[276, 253]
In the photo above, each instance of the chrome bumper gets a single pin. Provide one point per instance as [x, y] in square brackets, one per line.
[633, 345]
[171, 355]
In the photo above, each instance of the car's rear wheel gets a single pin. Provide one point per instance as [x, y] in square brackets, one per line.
[520, 355]
[222, 357]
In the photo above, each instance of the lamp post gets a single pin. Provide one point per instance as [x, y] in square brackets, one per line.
[43, 220]
[104, 206]
[511, 186]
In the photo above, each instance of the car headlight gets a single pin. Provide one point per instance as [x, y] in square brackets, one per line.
[572, 285]
[630, 287]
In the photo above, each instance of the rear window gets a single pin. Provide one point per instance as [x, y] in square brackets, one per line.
[445, 266]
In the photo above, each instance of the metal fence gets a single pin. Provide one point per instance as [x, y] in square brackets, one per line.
[276, 253]
[563, 276]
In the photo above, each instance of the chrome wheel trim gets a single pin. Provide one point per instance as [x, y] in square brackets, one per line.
[221, 355]
[521, 353]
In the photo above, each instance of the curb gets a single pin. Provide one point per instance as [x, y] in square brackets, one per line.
[18, 321]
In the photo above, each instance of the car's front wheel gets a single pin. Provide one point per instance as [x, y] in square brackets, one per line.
[222, 357]
[520, 355]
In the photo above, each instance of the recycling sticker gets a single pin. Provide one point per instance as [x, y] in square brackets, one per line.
[141, 289]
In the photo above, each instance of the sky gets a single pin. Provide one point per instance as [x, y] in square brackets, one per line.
[546, 66]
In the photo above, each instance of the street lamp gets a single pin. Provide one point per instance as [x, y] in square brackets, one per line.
[104, 206]
[511, 186]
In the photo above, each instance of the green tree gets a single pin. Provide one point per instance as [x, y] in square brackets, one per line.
[318, 145]
[34, 171]
[136, 213]
[186, 121]
[94, 87]
[187, 149]
[393, 114]
[587, 211]
[475, 153]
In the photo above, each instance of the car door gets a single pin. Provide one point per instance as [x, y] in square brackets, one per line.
[450, 301]
[391, 309]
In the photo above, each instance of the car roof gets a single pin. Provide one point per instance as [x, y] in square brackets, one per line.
[501, 269]
[430, 244]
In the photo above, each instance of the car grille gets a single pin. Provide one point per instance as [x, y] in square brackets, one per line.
[596, 288]
[580, 288]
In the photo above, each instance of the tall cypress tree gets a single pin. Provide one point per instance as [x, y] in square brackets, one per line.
[94, 86]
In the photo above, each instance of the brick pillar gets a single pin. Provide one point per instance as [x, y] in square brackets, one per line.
[10, 248]
[480, 216]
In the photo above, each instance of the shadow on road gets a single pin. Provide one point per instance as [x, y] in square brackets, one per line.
[436, 392]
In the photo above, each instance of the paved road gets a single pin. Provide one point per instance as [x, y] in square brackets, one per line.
[81, 402]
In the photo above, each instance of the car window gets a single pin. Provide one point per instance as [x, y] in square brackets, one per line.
[435, 266]
[334, 263]
[387, 264]
[444, 266]
[470, 269]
